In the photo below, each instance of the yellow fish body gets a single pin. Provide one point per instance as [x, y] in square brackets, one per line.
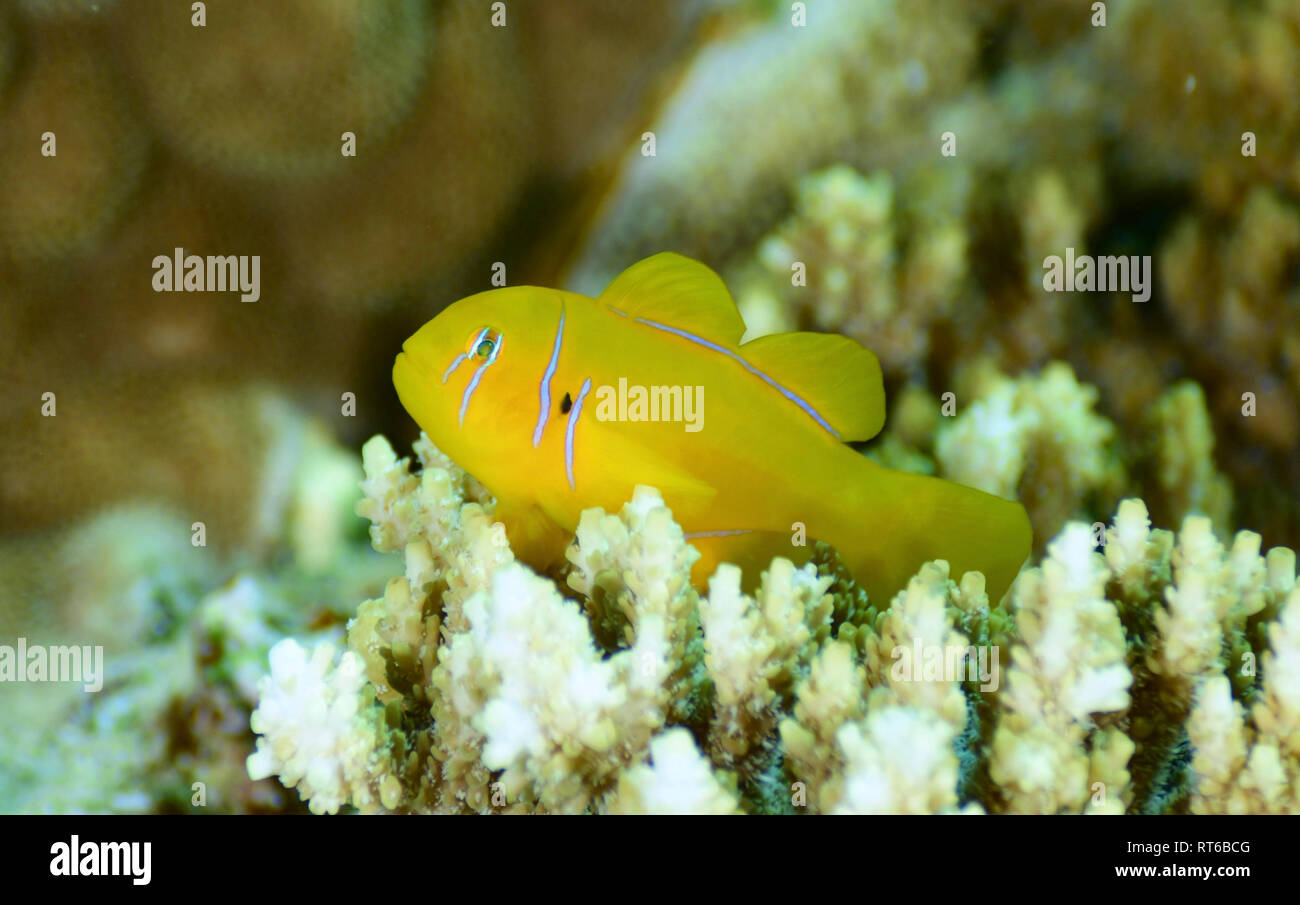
[546, 397]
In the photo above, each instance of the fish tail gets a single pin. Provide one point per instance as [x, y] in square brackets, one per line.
[886, 524]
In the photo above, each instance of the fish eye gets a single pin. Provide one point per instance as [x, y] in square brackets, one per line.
[483, 343]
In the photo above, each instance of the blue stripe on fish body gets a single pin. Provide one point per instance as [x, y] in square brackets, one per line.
[478, 374]
[460, 359]
[699, 340]
[545, 413]
[569, 429]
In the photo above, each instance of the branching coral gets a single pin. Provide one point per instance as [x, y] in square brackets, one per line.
[755, 648]
[1068, 666]
[1251, 764]
[1240, 60]
[899, 760]
[1231, 292]
[828, 698]
[1184, 457]
[321, 732]
[447, 649]
[637, 564]
[451, 550]
[862, 70]
[474, 685]
[557, 719]
[837, 264]
[892, 751]
[677, 781]
[1036, 439]
[1095, 717]
[1195, 615]
[489, 690]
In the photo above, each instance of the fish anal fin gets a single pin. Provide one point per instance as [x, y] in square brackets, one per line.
[752, 551]
[839, 378]
[677, 291]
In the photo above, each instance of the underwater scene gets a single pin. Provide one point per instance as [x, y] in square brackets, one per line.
[674, 407]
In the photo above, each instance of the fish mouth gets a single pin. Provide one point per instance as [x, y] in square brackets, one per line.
[409, 361]
[409, 374]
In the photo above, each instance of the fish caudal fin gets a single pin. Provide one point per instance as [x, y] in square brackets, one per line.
[889, 523]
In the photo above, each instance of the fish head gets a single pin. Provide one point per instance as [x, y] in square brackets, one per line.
[470, 376]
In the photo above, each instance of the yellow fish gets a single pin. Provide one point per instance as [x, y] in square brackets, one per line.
[558, 402]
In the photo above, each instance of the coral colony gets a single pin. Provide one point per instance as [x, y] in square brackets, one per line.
[622, 690]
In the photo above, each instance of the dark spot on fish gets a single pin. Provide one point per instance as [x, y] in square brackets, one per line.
[565, 404]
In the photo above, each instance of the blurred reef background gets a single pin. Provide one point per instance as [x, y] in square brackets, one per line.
[775, 144]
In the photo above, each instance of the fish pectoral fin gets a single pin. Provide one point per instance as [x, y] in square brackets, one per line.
[535, 537]
[679, 292]
[834, 374]
[685, 494]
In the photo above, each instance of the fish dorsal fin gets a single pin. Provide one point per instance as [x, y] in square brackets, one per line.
[676, 291]
[837, 377]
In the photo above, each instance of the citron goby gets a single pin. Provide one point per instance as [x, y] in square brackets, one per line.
[517, 386]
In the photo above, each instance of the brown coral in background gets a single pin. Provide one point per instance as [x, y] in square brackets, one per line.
[263, 91]
[227, 139]
[63, 194]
